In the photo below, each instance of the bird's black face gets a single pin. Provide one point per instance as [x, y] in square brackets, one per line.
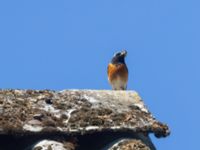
[119, 57]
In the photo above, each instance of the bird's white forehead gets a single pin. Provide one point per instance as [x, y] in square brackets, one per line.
[120, 52]
[117, 53]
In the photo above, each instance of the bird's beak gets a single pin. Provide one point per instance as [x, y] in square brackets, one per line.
[124, 53]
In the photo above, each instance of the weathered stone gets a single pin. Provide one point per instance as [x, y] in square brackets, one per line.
[53, 145]
[75, 113]
[129, 144]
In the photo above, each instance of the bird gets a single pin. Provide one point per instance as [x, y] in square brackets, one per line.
[117, 71]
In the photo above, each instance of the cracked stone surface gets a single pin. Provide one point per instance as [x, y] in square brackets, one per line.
[75, 112]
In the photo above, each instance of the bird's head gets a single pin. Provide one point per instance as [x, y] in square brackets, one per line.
[119, 57]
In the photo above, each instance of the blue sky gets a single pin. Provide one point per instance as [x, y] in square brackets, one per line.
[48, 44]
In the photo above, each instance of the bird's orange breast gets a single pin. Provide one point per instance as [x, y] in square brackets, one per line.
[117, 71]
